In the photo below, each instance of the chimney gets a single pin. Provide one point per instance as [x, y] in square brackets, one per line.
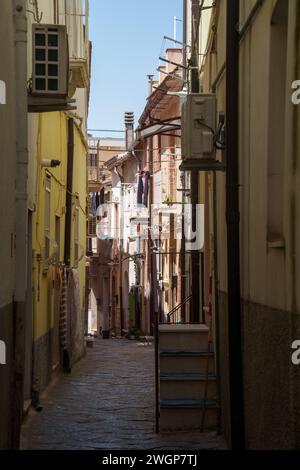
[129, 128]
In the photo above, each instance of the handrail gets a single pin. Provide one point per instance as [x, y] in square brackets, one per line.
[178, 307]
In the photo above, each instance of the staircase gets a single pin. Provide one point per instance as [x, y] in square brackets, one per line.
[186, 379]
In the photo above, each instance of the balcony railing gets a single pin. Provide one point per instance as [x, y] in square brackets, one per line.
[97, 175]
[93, 174]
[175, 315]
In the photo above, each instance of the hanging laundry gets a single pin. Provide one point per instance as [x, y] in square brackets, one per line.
[94, 205]
[140, 189]
[146, 178]
[102, 196]
[97, 200]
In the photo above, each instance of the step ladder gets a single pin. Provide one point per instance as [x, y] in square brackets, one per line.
[186, 379]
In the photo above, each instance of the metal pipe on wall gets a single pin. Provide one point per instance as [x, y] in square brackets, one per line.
[196, 313]
[22, 149]
[233, 222]
[70, 164]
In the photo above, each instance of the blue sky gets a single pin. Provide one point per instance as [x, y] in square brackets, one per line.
[127, 38]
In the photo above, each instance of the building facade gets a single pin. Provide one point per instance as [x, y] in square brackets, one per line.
[268, 136]
[99, 246]
[11, 122]
[43, 297]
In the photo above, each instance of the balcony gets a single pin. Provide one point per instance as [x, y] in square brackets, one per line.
[79, 74]
[94, 174]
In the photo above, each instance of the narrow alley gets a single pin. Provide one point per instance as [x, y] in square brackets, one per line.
[150, 228]
[107, 402]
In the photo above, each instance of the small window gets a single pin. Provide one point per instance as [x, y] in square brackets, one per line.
[53, 55]
[52, 85]
[40, 69]
[53, 40]
[40, 84]
[40, 40]
[40, 54]
[52, 70]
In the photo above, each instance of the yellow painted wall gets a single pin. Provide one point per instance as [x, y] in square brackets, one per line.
[52, 144]
[80, 187]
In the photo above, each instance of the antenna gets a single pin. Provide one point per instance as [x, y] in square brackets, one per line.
[175, 28]
[175, 21]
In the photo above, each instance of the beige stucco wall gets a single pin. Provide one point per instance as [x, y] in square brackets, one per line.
[269, 275]
[7, 154]
[259, 281]
[7, 213]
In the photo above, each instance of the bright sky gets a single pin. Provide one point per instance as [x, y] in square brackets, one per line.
[127, 38]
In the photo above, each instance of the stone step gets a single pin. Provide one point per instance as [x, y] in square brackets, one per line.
[184, 337]
[176, 415]
[191, 386]
[189, 361]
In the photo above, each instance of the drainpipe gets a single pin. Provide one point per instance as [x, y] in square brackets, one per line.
[182, 248]
[196, 314]
[69, 192]
[233, 220]
[184, 39]
[21, 217]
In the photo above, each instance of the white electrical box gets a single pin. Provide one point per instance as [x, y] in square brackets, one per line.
[198, 128]
[50, 64]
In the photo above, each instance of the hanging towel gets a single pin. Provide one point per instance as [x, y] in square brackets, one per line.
[97, 200]
[94, 205]
[102, 196]
[146, 188]
[140, 189]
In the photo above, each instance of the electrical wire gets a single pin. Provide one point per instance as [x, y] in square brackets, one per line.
[62, 185]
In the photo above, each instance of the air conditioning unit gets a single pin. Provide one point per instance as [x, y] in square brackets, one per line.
[199, 114]
[50, 64]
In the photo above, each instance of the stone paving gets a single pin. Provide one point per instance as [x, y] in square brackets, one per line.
[107, 402]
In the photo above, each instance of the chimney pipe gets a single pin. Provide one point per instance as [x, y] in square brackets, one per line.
[129, 129]
[150, 81]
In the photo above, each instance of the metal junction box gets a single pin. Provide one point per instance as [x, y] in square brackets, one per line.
[198, 129]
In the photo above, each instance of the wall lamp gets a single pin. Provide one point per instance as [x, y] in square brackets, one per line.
[50, 163]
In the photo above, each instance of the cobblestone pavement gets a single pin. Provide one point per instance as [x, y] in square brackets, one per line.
[107, 402]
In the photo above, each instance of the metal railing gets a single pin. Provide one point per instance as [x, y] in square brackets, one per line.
[175, 315]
